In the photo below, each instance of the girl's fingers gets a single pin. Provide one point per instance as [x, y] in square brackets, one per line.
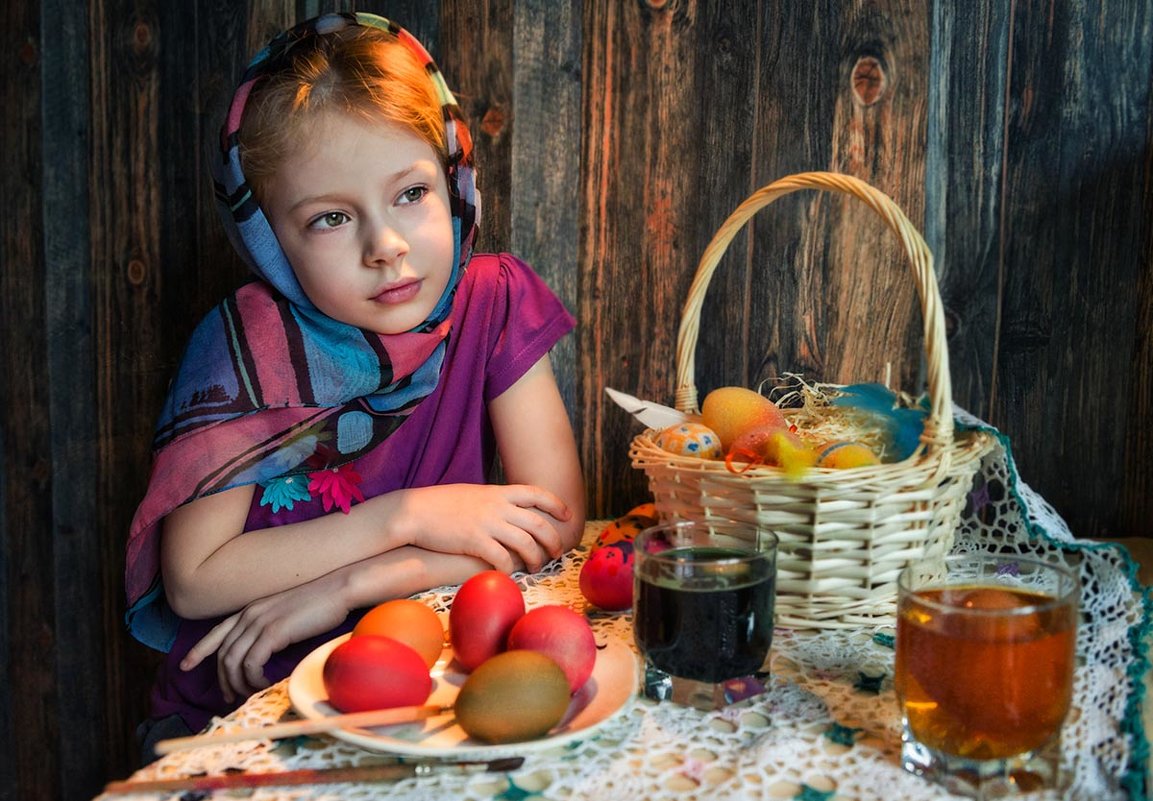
[523, 544]
[536, 497]
[254, 660]
[230, 663]
[209, 645]
[491, 551]
[543, 533]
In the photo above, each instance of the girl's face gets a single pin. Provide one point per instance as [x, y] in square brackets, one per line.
[362, 212]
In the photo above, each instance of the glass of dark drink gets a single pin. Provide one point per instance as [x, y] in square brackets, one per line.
[703, 610]
[984, 671]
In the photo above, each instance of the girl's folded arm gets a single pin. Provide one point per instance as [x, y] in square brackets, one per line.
[209, 569]
[537, 446]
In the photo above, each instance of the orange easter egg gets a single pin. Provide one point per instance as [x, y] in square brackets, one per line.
[644, 510]
[847, 455]
[408, 621]
[729, 411]
[623, 529]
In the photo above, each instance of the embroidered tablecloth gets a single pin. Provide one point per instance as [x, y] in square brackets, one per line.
[827, 729]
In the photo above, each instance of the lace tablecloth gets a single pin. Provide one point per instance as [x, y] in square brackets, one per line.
[828, 729]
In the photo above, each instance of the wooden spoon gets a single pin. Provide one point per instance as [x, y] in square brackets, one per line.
[293, 728]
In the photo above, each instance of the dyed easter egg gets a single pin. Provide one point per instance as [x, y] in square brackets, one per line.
[562, 635]
[729, 411]
[512, 696]
[644, 510]
[606, 578]
[847, 455]
[408, 621]
[757, 441]
[624, 529]
[483, 612]
[371, 672]
[786, 449]
[690, 439]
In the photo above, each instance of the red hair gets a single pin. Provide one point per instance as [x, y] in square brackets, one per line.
[363, 72]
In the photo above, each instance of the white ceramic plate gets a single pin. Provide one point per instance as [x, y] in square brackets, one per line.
[607, 693]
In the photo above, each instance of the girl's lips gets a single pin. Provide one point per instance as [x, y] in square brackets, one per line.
[399, 294]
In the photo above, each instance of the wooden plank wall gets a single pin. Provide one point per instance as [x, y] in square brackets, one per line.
[614, 137]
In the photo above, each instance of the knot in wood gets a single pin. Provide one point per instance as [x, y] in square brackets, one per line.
[141, 37]
[869, 80]
[137, 272]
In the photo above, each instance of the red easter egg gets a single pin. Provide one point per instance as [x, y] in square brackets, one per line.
[370, 672]
[560, 634]
[481, 616]
[606, 579]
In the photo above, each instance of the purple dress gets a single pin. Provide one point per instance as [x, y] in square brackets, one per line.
[504, 319]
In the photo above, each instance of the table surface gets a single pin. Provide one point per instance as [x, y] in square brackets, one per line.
[827, 729]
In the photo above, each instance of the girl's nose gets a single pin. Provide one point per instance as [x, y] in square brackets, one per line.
[384, 245]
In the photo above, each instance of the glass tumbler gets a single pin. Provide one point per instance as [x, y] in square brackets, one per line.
[985, 654]
[703, 610]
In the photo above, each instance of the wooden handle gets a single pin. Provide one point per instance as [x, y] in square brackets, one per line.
[939, 424]
[358, 774]
[288, 778]
[294, 728]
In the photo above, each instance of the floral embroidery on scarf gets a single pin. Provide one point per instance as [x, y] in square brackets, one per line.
[337, 487]
[283, 492]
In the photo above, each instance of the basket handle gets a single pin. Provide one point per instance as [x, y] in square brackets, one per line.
[939, 423]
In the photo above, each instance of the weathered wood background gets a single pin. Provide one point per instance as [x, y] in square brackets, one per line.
[614, 137]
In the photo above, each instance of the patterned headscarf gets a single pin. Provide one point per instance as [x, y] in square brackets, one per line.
[269, 385]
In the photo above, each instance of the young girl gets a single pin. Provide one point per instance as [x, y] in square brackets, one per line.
[342, 412]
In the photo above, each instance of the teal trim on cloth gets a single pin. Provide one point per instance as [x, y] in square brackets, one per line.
[1135, 780]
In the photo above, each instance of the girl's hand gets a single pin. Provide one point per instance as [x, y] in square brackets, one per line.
[509, 527]
[245, 641]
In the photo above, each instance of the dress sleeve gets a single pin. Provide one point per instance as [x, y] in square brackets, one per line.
[528, 320]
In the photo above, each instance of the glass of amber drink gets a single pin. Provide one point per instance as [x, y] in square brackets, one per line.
[984, 671]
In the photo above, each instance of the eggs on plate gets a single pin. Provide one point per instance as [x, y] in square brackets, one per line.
[531, 661]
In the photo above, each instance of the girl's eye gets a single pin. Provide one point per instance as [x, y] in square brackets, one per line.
[414, 194]
[331, 219]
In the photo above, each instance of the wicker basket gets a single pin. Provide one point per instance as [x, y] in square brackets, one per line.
[844, 534]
